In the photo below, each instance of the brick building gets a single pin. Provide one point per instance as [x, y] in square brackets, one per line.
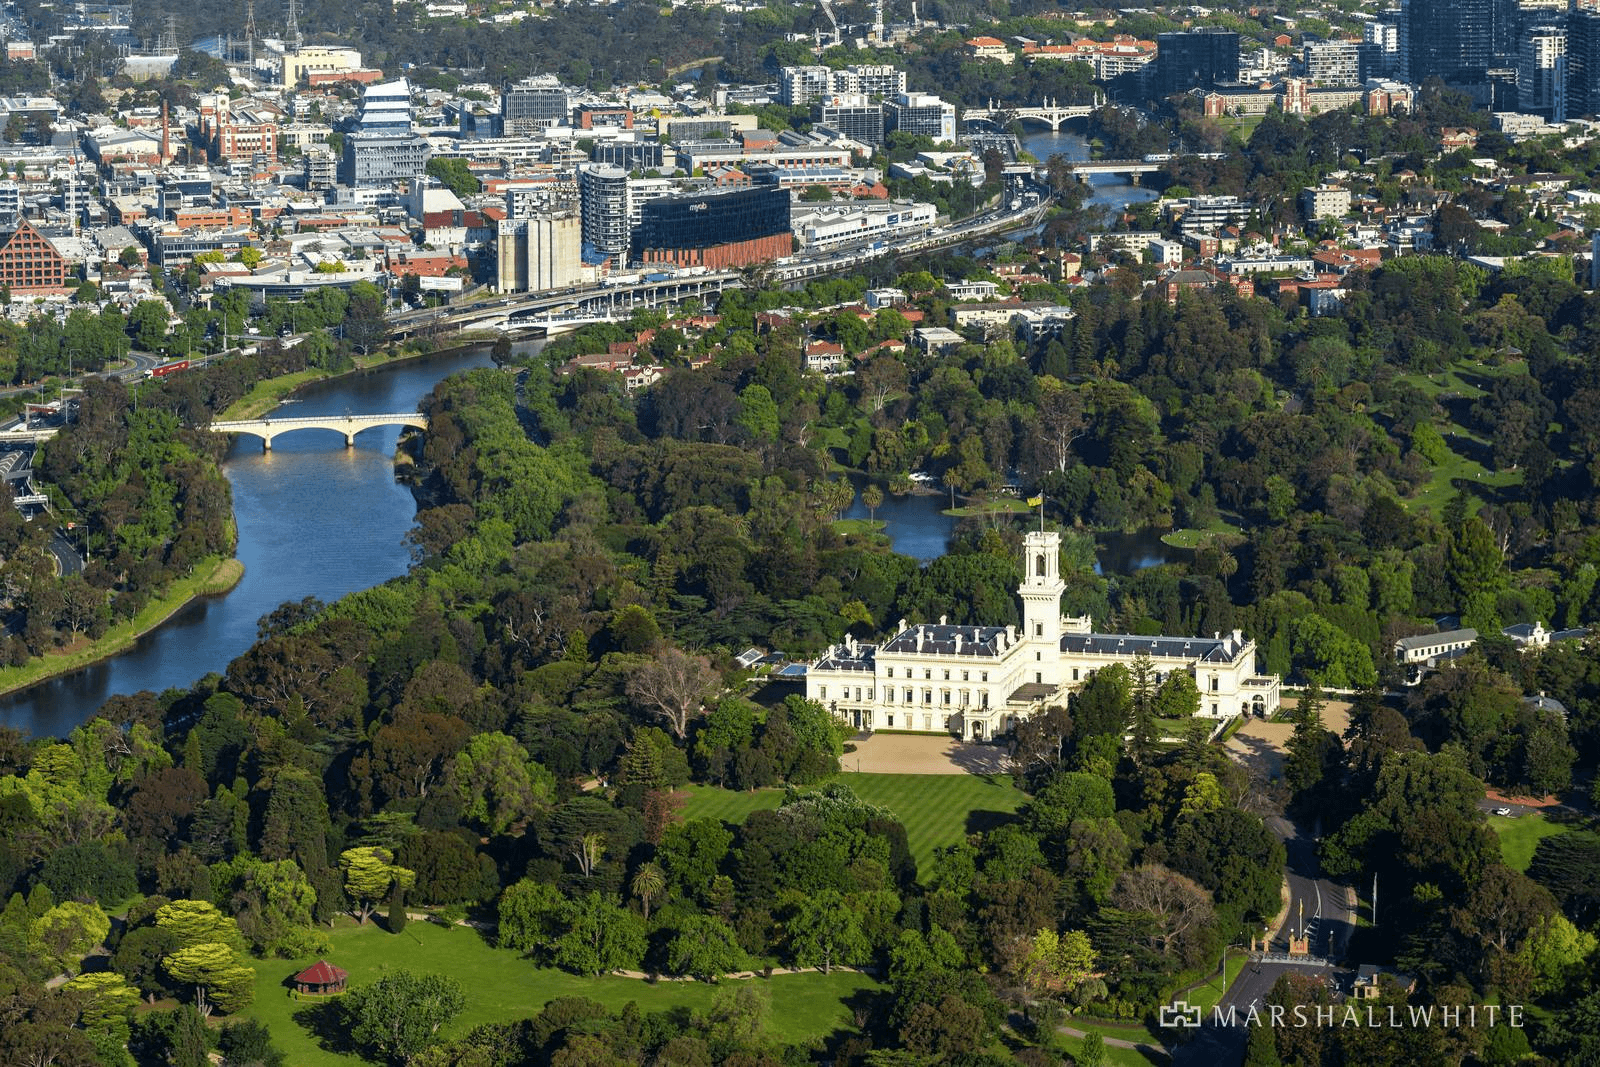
[28, 261]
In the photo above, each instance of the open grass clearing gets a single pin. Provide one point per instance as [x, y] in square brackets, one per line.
[1520, 836]
[937, 810]
[501, 986]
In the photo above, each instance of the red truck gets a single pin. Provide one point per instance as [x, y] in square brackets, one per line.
[167, 368]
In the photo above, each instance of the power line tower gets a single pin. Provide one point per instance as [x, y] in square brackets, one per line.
[291, 33]
[167, 43]
[250, 32]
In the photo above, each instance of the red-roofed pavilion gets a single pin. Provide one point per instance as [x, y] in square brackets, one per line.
[321, 977]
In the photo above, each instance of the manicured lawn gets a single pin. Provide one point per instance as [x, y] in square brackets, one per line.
[501, 987]
[1192, 537]
[1521, 835]
[1458, 468]
[858, 526]
[936, 809]
[1004, 505]
[731, 806]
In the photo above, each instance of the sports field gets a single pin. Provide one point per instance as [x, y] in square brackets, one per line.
[936, 809]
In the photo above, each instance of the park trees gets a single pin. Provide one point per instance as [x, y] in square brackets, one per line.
[674, 685]
[400, 1014]
[207, 955]
[826, 932]
[1058, 964]
[600, 936]
[369, 874]
[497, 784]
[704, 947]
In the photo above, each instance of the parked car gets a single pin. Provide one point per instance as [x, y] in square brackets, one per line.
[1502, 811]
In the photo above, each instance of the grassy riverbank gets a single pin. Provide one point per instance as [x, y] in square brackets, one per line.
[270, 392]
[211, 576]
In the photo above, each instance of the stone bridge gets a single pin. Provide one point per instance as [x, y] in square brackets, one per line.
[1050, 113]
[349, 425]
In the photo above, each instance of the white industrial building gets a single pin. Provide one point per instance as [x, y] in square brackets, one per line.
[831, 225]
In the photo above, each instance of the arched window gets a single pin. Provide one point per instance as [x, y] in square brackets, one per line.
[1039, 565]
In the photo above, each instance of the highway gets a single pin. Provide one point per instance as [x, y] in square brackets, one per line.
[681, 286]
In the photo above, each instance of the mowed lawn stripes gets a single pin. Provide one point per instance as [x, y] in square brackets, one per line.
[936, 809]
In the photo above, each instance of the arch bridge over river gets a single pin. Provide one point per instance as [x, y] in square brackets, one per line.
[349, 425]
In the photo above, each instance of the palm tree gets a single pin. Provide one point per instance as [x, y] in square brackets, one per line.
[872, 497]
[649, 882]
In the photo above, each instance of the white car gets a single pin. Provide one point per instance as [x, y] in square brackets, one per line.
[1502, 811]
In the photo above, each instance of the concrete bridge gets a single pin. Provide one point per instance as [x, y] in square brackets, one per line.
[27, 437]
[1085, 169]
[349, 425]
[1050, 113]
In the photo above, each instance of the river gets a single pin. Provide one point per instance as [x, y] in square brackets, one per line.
[1109, 190]
[314, 519]
[317, 519]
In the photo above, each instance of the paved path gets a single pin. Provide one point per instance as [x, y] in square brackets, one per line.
[882, 753]
[1260, 745]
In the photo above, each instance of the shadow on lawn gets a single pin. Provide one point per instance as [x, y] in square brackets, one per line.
[981, 822]
[325, 1020]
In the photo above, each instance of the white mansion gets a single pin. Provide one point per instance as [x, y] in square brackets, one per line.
[975, 681]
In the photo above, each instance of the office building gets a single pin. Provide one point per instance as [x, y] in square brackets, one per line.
[921, 115]
[10, 202]
[603, 192]
[715, 231]
[977, 682]
[630, 155]
[1332, 63]
[534, 105]
[1449, 39]
[382, 149]
[1583, 62]
[1200, 58]
[1383, 48]
[1541, 72]
[541, 251]
[856, 116]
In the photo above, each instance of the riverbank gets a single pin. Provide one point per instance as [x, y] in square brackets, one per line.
[211, 577]
[270, 392]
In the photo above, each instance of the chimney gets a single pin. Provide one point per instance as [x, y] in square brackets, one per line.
[944, 620]
[919, 639]
[902, 624]
[1011, 633]
[1238, 637]
[958, 644]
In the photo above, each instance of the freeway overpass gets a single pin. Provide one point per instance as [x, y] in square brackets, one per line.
[575, 306]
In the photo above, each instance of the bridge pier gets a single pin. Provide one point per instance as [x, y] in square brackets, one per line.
[266, 444]
[349, 440]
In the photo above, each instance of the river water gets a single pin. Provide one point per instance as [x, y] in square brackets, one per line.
[317, 519]
[314, 519]
[1109, 190]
